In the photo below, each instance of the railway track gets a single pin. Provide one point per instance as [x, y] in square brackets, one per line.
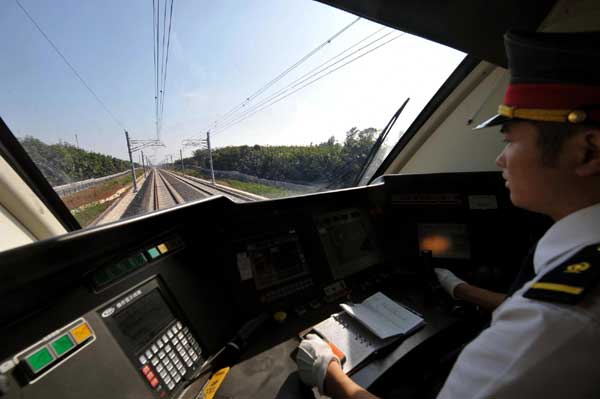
[168, 189]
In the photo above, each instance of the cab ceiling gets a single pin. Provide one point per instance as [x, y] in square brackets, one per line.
[471, 26]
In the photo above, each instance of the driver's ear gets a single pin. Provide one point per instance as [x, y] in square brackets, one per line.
[589, 153]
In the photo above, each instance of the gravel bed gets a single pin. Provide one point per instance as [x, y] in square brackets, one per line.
[188, 193]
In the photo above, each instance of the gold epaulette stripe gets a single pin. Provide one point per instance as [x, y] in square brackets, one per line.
[569, 289]
[545, 115]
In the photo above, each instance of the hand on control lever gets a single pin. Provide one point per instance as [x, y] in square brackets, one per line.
[313, 358]
[448, 280]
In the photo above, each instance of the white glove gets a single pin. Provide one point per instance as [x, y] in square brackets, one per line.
[448, 280]
[313, 358]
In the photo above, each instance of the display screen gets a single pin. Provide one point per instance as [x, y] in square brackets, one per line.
[276, 260]
[445, 240]
[348, 242]
[141, 321]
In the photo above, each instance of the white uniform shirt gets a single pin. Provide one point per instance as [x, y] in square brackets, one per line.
[533, 348]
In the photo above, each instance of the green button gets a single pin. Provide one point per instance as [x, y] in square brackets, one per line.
[40, 359]
[153, 252]
[137, 260]
[63, 345]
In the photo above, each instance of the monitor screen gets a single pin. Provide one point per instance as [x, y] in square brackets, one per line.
[141, 321]
[445, 240]
[276, 260]
[348, 242]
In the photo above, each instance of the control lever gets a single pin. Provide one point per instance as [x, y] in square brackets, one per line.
[232, 349]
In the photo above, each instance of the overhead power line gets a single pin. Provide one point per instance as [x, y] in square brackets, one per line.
[285, 72]
[161, 56]
[275, 101]
[71, 67]
[307, 76]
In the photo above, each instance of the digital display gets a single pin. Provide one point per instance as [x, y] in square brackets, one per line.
[275, 261]
[348, 242]
[141, 321]
[445, 240]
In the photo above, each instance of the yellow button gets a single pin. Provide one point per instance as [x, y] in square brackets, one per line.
[81, 333]
[162, 248]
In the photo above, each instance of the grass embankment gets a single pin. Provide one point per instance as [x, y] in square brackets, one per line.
[86, 205]
[254, 188]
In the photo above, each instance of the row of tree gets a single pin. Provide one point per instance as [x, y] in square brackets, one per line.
[64, 163]
[331, 163]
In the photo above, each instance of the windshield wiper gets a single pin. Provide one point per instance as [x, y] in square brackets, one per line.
[378, 144]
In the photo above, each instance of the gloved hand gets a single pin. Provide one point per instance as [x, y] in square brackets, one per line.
[448, 280]
[313, 358]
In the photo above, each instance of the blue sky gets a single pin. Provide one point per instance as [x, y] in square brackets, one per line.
[221, 52]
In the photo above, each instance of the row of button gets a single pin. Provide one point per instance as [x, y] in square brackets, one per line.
[287, 290]
[171, 355]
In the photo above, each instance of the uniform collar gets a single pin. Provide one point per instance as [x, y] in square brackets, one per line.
[574, 231]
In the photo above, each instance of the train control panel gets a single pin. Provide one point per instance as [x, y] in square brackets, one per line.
[154, 306]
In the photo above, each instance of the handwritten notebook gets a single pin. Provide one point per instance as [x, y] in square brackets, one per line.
[365, 328]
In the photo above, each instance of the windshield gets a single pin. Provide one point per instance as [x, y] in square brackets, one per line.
[130, 107]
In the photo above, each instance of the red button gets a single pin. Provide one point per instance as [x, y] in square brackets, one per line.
[150, 376]
[146, 369]
[154, 382]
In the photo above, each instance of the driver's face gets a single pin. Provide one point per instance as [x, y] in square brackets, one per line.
[532, 184]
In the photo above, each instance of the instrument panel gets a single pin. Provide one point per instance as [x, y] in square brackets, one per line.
[161, 293]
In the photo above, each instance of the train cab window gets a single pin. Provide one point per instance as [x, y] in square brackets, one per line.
[189, 101]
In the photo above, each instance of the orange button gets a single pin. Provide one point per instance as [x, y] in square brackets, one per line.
[154, 382]
[81, 332]
[162, 248]
[146, 369]
[150, 376]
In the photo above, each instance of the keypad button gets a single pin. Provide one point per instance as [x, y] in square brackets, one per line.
[159, 343]
[143, 359]
[160, 368]
[170, 367]
[178, 325]
[174, 330]
[168, 348]
[185, 330]
[184, 341]
[171, 385]
[179, 348]
[149, 354]
[167, 380]
[174, 373]
[150, 376]
[163, 374]
[170, 334]
[146, 369]
[172, 355]
[177, 378]
[154, 382]
[180, 335]
[175, 341]
[167, 361]
[189, 364]
[165, 338]
[194, 357]
[154, 361]
[154, 348]
[161, 354]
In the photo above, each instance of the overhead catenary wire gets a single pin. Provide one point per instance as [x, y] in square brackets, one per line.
[166, 66]
[270, 83]
[307, 76]
[246, 116]
[71, 67]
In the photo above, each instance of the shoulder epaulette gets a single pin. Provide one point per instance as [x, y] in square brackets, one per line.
[570, 281]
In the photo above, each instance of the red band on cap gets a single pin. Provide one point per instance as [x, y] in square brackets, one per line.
[552, 96]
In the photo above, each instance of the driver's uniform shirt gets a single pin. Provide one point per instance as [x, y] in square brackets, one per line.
[535, 348]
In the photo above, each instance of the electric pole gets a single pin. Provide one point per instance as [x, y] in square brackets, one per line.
[131, 160]
[143, 165]
[181, 156]
[212, 171]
